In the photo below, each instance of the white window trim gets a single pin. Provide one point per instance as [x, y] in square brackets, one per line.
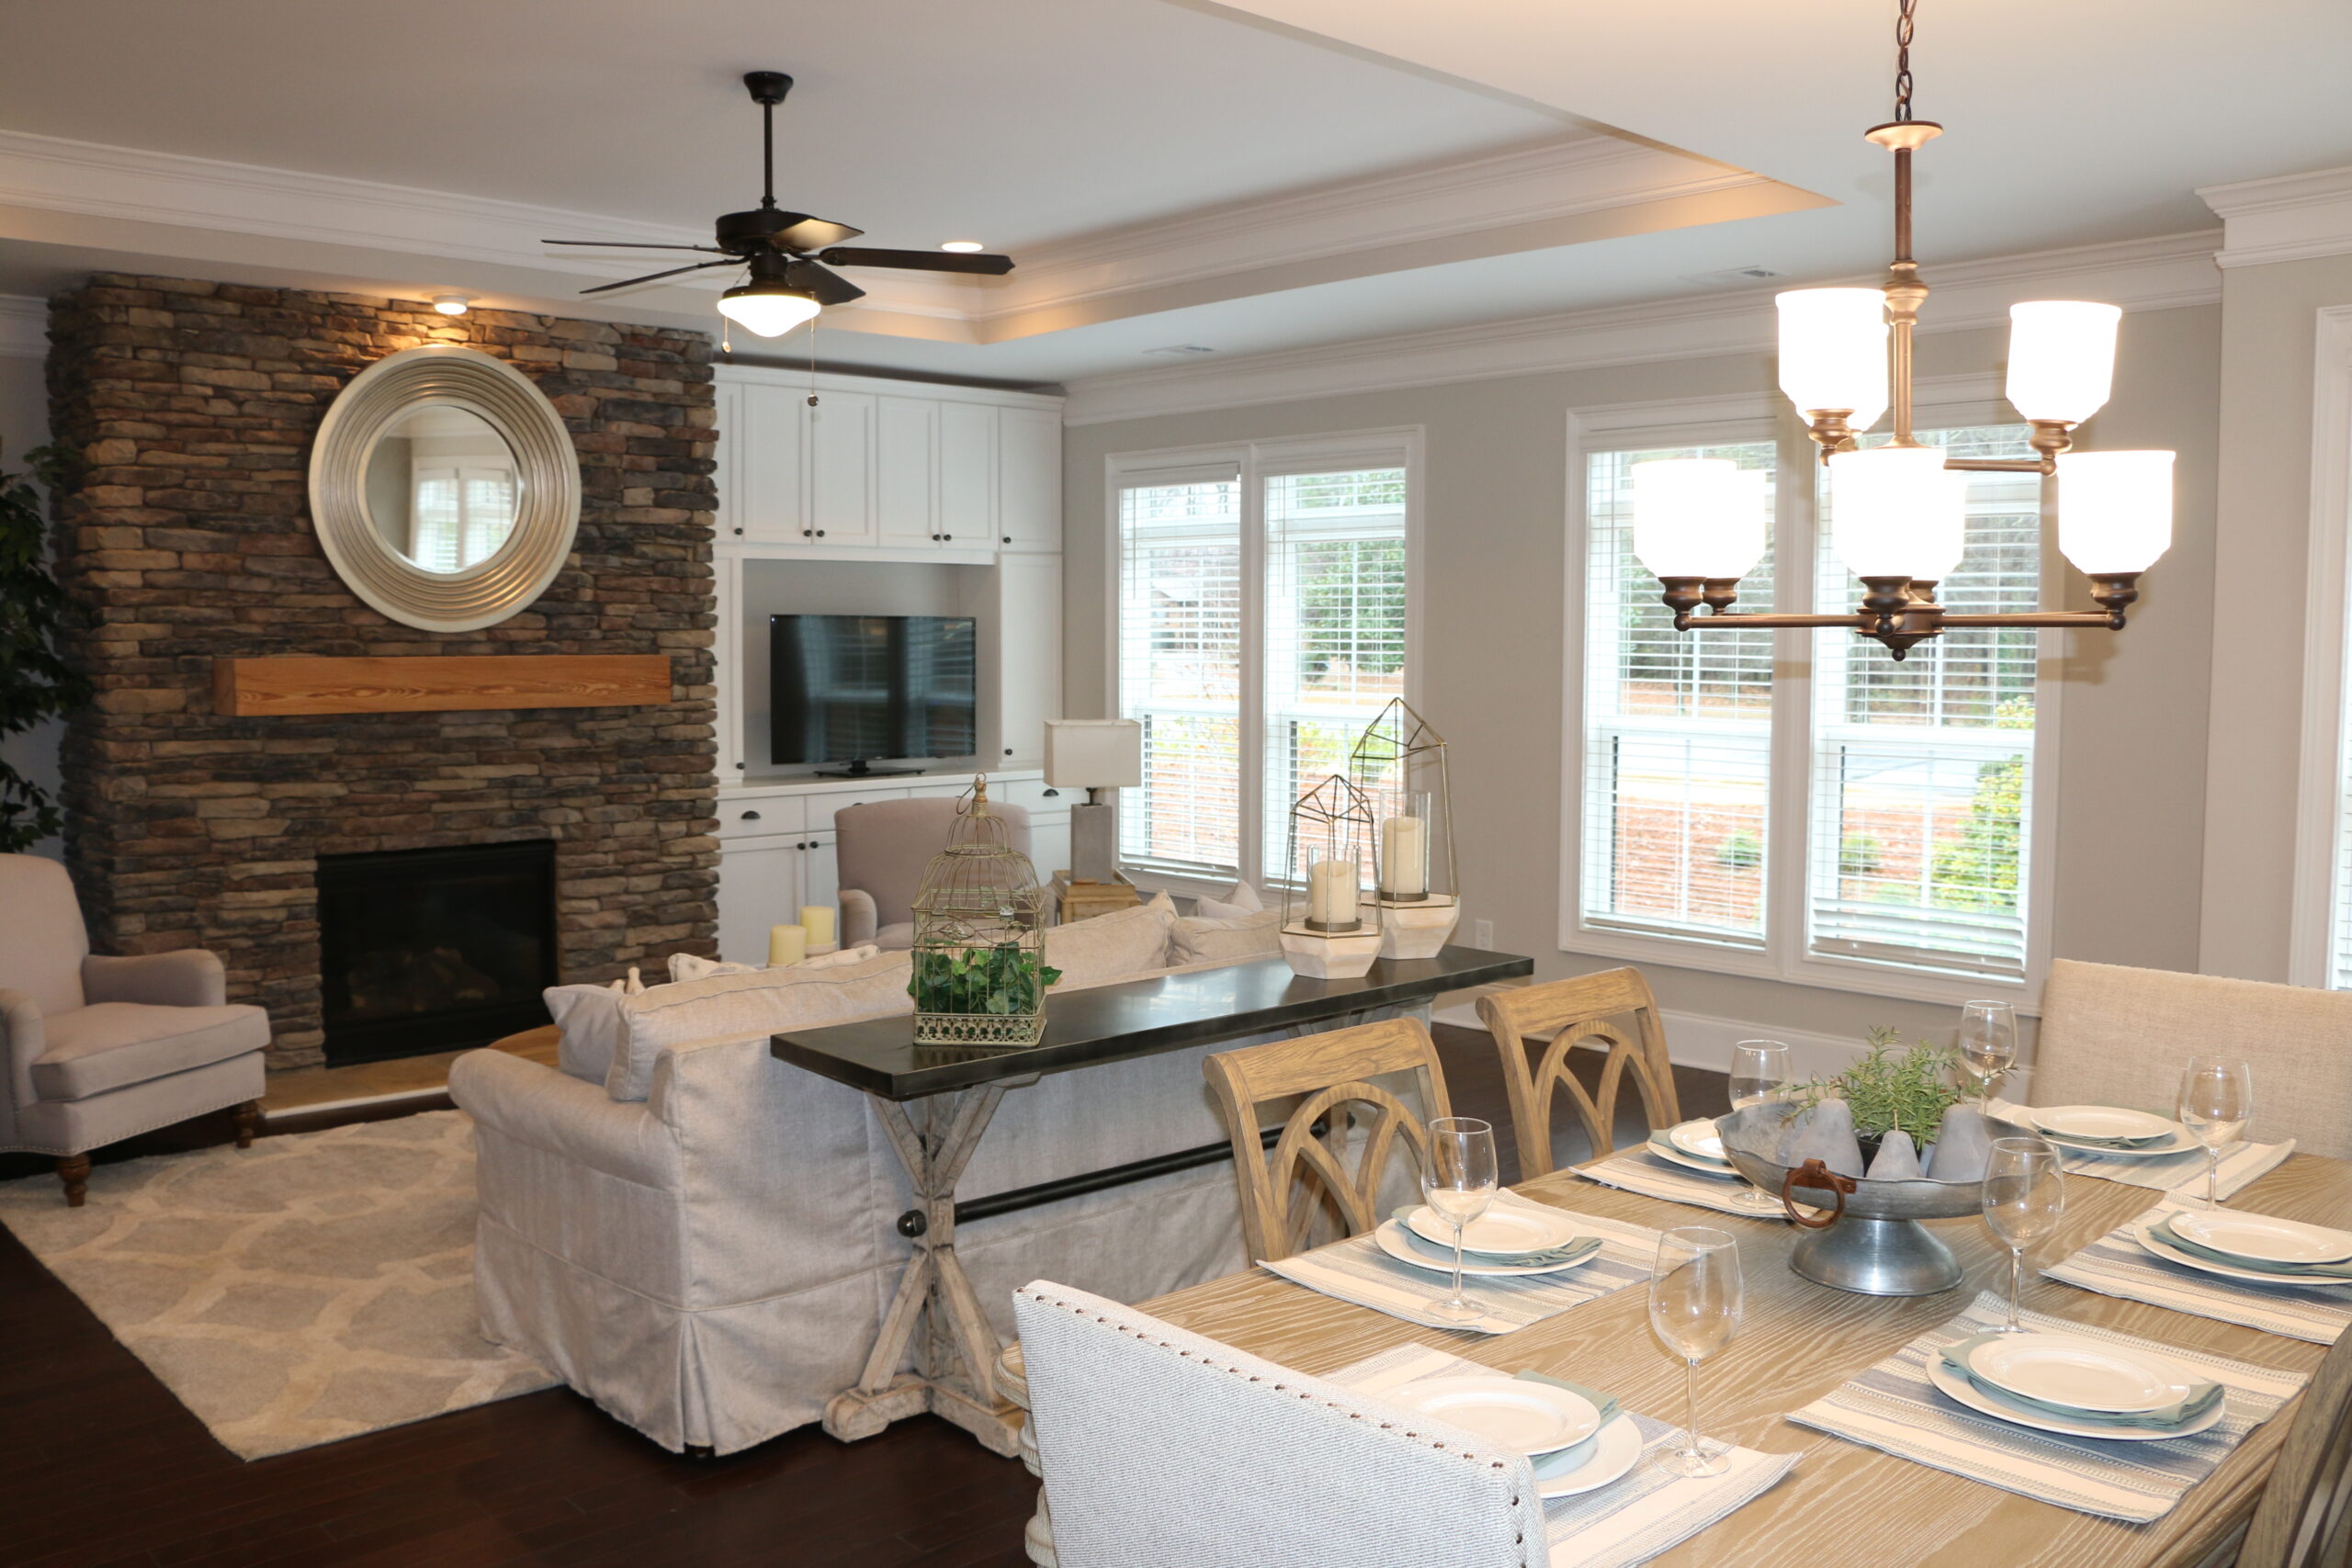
[1971, 400]
[1255, 462]
[2328, 601]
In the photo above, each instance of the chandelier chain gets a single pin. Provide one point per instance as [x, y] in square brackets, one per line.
[1904, 21]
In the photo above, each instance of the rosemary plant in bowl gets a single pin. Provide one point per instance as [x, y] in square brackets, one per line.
[1892, 1086]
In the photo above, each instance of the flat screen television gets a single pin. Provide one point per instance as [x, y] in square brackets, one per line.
[855, 688]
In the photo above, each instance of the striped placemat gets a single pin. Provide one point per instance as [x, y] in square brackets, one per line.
[1357, 1271]
[1628, 1521]
[1893, 1407]
[1643, 1172]
[2116, 1265]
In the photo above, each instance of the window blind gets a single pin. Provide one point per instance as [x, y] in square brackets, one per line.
[1181, 671]
[1335, 628]
[1678, 733]
[1923, 769]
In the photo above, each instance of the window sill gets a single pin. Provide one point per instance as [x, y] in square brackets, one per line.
[1865, 979]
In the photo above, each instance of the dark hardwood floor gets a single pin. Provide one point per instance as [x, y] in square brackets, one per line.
[106, 1469]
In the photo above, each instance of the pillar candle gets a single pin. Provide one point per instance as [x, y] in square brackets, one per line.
[1404, 857]
[817, 919]
[1331, 893]
[786, 944]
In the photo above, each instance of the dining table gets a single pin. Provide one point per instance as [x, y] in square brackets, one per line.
[1843, 1503]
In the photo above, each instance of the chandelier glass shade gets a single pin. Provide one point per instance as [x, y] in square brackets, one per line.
[1898, 516]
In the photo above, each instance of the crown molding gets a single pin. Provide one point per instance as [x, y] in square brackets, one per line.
[2286, 218]
[24, 327]
[2162, 273]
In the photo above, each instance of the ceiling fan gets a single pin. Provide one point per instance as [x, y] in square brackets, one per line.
[789, 256]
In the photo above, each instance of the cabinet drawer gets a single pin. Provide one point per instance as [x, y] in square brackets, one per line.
[1035, 793]
[823, 807]
[760, 814]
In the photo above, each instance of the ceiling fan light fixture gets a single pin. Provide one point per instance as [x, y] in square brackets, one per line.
[768, 310]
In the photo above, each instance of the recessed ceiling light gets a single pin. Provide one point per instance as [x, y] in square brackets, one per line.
[1183, 350]
[451, 304]
[963, 247]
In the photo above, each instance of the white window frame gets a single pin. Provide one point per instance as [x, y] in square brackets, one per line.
[1942, 401]
[2319, 827]
[1255, 462]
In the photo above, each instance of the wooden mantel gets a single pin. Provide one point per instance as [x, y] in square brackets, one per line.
[247, 688]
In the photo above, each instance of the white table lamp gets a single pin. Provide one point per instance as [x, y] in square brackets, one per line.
[1093, 754]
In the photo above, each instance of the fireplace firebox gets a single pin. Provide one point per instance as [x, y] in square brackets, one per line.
[434, 949]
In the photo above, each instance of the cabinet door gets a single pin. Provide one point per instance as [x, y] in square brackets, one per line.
[1029, 655]
[1050, 843]
[906, 472]
[841, 467]
[820, 875]
[967, 474]
[1029, 479]
[727, 418]
[769, 474]
[759, 887]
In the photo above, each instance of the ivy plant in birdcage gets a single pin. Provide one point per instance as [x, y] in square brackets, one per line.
[980, 975]
[1400, 764]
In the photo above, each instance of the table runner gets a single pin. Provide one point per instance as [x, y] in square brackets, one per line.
[1893, 1408]
[1628, 1521]
[1643, 1172]
[1357, 1271]
[2116, 1265]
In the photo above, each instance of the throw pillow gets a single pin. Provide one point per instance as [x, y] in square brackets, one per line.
[1196, 940]
[732, 1007]
[589, 1019]
[1240, 901]
[1113, 946]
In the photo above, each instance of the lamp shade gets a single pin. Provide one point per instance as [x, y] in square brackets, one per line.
[2061, 358]
[1833, 352]
[2114, 510]
[1895, 511]
[1093, 753]
[1698, 517]
[766, 308]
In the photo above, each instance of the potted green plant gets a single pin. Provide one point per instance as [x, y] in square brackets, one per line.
[36, 682]
[1891, 1087]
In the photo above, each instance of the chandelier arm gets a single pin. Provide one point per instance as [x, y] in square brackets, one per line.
[1762, 620]
[2002, 464]
[2034, 618]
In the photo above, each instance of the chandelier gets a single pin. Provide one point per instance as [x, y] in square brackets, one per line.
[1901, 520]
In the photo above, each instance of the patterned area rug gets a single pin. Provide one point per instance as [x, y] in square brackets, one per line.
[308, 1289]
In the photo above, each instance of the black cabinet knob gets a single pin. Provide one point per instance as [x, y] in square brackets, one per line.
[821, 533]
[739, 530]
[808, 533]
[750, 816]
[1008, 751]
[1008, 538]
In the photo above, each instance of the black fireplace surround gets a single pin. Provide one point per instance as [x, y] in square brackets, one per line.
[434, 949]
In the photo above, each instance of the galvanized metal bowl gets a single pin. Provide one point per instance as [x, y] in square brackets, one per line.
[1876, 1246]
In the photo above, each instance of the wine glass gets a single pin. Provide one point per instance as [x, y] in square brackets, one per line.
[1459, 1181]
[1988, 1043]
[2025, 1196]
[2216, 1103]
[1760, 1072]
[1695, 1299]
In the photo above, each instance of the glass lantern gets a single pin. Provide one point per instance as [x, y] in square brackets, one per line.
[1399, 767]
[979, 960]
[1330, 929]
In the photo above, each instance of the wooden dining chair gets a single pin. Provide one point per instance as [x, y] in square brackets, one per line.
[2304, 1519]
[1163, 1447]
[1307, 1173]
[1613, 1011]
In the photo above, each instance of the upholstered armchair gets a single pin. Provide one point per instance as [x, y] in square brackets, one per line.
[881, 848]
[98, 1049]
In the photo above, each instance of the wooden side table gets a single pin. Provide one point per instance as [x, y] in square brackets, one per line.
[1079, 900]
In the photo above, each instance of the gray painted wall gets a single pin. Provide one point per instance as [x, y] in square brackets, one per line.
[24, 423]
[2132, 772]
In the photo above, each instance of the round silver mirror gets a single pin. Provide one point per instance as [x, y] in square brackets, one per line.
[444, 489]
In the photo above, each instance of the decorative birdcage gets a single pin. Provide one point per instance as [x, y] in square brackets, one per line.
[1400, 765]
[979, 958]
[1328, 932]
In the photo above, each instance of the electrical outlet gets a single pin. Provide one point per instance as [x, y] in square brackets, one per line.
[1482, 933]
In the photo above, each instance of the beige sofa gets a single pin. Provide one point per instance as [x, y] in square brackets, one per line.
[702, 1238]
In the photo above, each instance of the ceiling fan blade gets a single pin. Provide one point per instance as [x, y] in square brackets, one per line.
[690, 266]
[810, 233]
[635, 245]
[916, 260]
[831, 287]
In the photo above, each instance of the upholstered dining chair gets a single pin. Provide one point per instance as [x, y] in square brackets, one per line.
[1612, 1011]
[1341, 1119]
[1162, 1448]
[97, 1049]
[881, 848]
[2304, 1519]
[2117, 1036]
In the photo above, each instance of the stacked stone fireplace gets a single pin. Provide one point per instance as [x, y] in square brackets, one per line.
[188, 535]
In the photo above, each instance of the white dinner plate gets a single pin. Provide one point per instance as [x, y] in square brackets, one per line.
[2179, 1141]
[2061, 1368]
[1592, 1464]
[1533, 1418]
[1390, 1238]
[1673, 1155]
[2260, 1238]
[1700, 1140]
[2145, 1233]
[1965, 1393]
[1504, 1229]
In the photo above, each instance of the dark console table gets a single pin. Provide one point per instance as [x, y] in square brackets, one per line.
[935, 1102]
